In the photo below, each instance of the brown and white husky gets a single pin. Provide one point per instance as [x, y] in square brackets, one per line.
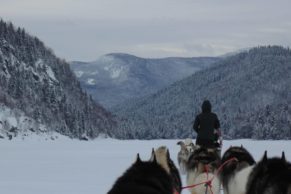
[187, 148]
[202, 166]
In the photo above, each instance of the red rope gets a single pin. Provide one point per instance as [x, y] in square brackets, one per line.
[206, 170]
[226, 162]
[209, 182]
[176, 192]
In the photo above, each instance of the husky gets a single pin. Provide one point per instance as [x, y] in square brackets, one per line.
[202, 166]
[187, 148]
[159, 175]
[235, 173]
[270, 176]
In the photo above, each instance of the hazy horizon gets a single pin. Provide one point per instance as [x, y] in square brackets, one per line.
[85, 30]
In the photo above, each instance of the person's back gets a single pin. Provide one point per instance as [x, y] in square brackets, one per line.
[205, 125]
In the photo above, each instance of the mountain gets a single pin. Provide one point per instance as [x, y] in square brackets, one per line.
[230, 54]
[250, 92]
[115, 78]
[40, 94]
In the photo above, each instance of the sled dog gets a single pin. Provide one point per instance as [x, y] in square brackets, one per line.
[156, 176]
[270, 176]
[187, 148]
[202, 166]
[235, 173]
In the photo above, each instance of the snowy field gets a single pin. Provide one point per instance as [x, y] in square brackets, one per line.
[65, 166]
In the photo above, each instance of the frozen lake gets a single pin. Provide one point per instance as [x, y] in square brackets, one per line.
[64, 166]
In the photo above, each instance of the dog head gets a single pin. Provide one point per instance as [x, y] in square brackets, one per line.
[187, 148]
[189, 145]
[273, 171]
[184, 153]
[242, 159]
[138, 177]
[204, 157]
[273, 165]
[162, 157]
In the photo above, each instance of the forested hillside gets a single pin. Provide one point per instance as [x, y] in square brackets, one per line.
[250, 92]
[117, 77]
[40, 93]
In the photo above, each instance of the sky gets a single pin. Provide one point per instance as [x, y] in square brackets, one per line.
[84, 30]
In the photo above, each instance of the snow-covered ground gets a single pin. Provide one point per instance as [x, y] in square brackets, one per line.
[64, 166]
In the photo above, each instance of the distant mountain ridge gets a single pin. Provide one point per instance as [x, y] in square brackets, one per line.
[117, 77]
[250, 92]
[40, 94]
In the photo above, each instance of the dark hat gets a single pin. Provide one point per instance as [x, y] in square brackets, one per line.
[206, 106]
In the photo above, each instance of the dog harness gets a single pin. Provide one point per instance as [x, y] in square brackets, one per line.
[208, 182]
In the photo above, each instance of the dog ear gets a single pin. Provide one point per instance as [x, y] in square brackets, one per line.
[182, 144]
[153, 156]
[241, 146]
[138, 160]
[265, 157]
[168, 154]
[283, 156]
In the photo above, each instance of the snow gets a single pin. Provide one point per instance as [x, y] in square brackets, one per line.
[6, 44]
[79, 73]
[115, 71]
[65, 166]
[91, 81]
[7, 115]
[39, 63]
[113, 66]
[94, 73]
[50, 73]
[16, 118]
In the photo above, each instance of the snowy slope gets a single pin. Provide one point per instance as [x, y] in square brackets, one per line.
[39, 91]
[12, 120]
[69, 166]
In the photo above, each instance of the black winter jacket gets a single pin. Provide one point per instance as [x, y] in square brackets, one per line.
[204, 125]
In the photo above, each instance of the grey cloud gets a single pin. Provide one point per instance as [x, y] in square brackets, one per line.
[86, 29]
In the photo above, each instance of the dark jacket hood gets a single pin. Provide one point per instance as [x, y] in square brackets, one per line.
[206, 106]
